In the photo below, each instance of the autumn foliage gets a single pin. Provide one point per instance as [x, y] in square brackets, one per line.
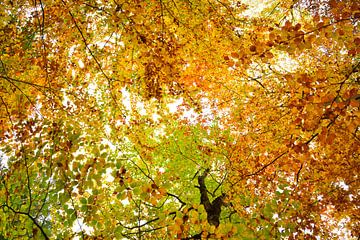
[179, 119]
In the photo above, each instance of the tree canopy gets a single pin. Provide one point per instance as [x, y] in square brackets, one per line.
[179, 119]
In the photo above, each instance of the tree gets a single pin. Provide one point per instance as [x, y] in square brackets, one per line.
[179, 119]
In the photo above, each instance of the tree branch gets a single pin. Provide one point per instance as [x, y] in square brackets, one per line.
[213, 209]
[266, 165]
[31, 217]
[181, 201]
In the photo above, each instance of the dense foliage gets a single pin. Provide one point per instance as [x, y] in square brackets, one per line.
[179, 119]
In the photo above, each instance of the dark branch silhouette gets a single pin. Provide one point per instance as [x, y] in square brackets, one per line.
[31, 218]
[213, 209]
